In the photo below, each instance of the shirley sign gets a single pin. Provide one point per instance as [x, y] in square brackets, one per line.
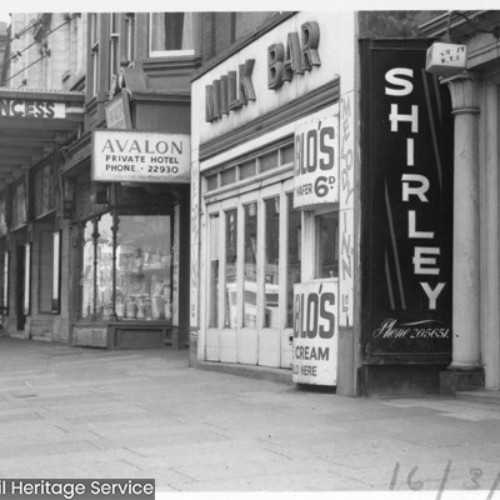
[409, 206]
[131, 156]
[316, 163]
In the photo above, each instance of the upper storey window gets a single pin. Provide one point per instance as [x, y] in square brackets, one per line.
[171, 34]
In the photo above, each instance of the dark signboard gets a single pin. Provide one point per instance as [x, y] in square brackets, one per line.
[407, 204]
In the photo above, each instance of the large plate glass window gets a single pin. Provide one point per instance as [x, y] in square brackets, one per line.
[327, 256]
[293, 268]
[213, 282]
[231, 259]
[271, 263]
[250, 267]
[144, 268]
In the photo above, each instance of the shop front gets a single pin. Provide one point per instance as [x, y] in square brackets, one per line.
[34, 126]
[272, 203]
[127, 196]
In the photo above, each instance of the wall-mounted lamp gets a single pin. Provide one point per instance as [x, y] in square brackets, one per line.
[446, 57]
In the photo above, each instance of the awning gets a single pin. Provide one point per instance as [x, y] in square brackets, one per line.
[32, 124]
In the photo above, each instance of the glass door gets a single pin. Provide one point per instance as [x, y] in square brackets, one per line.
[250, 240]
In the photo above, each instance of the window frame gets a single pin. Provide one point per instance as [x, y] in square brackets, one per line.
[168, 53]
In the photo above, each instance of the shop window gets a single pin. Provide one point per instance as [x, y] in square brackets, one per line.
[4, 266]
[88, 271]
[19, 205]
[171, 34]
[46, 271]
[293, 257]
[272, 261]
[260, 164]
[213, 293]
[268, 161]
[230, 269]
[250, 267]
[262, 297]
[287, 154]
[248, 170]
[56, 272]
[3, 218]
[27, 280]
[212, 182]
[96, 277]
[44, 196]
[327, 230]
[143, 268]
[228, 176]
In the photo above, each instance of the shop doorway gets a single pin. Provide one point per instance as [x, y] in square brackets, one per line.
[20, 286]
[254, 261]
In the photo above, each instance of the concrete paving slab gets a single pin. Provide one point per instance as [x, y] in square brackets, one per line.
[73, 412]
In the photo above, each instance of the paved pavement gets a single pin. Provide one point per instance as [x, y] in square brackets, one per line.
[80, 413]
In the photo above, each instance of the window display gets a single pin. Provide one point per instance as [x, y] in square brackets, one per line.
[213, 296]
[327, 259]
[143, 268]
[272, 261]
[230, 271]
[250, 267]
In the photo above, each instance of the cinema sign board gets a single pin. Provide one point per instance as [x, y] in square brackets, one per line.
[132, 156]
[31, 108]
[315, 336]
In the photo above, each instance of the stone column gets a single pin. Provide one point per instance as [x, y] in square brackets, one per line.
[465, 371]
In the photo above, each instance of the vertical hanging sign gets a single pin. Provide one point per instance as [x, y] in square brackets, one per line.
[407, 208]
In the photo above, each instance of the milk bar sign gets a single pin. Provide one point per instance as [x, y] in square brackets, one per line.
[316, 163]
[234, 90]
[130, 156]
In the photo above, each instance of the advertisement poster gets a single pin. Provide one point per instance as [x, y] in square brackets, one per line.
[315, 337]
[407, 178]
[130, 156]
[316, 176]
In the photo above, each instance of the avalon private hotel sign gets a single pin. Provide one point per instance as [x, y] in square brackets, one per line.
[132, 156]
[407, 210]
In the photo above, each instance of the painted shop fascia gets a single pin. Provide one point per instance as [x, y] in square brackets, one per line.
[273, 115]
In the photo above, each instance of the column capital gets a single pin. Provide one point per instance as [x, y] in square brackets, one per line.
[464, 90]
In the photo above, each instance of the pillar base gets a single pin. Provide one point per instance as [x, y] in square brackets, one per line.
[460, 379]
